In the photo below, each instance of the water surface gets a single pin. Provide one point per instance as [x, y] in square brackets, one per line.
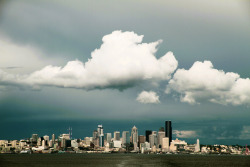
[120, 160]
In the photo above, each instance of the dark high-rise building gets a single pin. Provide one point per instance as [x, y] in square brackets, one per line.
[67, 143]
[168, 130]
[148, 132]
[161, 129]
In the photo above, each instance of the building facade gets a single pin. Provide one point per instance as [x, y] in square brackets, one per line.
[168, 130]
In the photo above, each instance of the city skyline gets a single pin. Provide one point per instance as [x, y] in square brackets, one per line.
[85, 63]
[111, 131]
[157, 142]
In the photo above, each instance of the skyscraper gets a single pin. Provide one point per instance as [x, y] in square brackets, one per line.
[161, 129]
[168, 128]
[142, 139]
[116, 135]
[66, 136]
[46, 139]
[95, 134]
[125, 138]
[134, 135]
[108, 137]
[101, 140]
[160, 136]
[153, 140]
[34, 138]
[165, 144]
[99, 130]
[53, 139]
[148, 132]
[154, 132]
[100, 135]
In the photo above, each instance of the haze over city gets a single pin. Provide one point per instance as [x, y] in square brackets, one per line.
[126, 63]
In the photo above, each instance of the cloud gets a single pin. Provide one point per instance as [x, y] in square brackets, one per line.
[185, 133]
[21, 59]
[13, 67]
[148, 97]
[245, 133]
[232, 133]
[202, 82]
[121, 61]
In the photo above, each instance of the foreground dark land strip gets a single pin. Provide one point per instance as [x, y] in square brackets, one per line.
[63, 160]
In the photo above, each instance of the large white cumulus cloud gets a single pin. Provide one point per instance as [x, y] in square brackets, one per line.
[122, 60]
[202, 82]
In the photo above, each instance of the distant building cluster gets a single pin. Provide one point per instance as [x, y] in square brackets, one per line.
[100, 142]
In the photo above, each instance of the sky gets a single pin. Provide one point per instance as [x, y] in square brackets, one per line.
[124, 63]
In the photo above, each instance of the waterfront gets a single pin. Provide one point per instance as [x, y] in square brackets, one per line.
[13, 160]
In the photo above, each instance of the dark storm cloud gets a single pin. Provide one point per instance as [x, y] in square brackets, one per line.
[230, 131]
[72, 29]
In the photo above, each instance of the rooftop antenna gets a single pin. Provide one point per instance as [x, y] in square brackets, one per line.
[71, 133]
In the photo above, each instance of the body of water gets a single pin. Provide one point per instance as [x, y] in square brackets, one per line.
[120, 160]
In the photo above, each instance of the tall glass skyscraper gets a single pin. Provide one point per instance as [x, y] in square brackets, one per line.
[168, 129]
[125, 138]
[101, 135]
[148, 132]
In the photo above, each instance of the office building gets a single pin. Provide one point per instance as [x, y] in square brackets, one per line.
[34, 138]
[153, 140]
[117, 143]
[148, 132]
[43, 143]
[101, 140]
[66, 136]
[108, 137]
[46, 139]
[99, 130]
[67, 143]
[87, 141]
[96, 141]
[125, 138]
[160, 136]
[154, 132]
[116, 135]
[50, 143]
[165, 144]
[168, 130]
[161, 129]
[100, 135]
[142, 139]
[95, 134]
[53, 139]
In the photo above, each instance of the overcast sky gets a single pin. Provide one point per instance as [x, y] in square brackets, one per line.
[124, 63]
